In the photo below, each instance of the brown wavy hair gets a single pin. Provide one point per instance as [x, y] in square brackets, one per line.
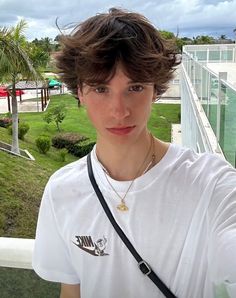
[91, 52]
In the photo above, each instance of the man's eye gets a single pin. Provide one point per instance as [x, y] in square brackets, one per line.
[136, 88]
[100, 89]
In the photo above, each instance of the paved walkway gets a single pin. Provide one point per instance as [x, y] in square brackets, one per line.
[31, 102]
[169, 100]
[25, 105]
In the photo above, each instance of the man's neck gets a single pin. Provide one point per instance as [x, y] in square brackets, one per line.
[128, 162]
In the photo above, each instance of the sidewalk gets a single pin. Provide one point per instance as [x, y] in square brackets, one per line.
[25, 105]
[31, 102]
[169, 100]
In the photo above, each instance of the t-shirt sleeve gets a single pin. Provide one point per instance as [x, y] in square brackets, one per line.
[51, 260]
[222, 244]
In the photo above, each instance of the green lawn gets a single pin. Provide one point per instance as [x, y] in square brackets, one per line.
[22, 181]
[24, 283]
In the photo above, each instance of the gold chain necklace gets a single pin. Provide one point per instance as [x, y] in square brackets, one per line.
[122, 206]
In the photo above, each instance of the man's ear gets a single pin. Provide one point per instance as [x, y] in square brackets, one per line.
[155, 96]
[80, 95]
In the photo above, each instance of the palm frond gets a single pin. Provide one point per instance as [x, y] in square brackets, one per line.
[19, 29]
[13, 58]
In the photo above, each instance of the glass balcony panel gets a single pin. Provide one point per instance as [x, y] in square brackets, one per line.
[191, 74]
[201, 55]
[227, 55]
[228, 123]
[191, 53]
[213, 99]
[214, 55]
[210, 94]
[198, 79]
[205, 87]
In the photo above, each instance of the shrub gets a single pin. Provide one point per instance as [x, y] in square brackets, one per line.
[5, 122]
[75, 143]
[23, 128]
[82, 148]
[67, 140]
[43, 144]
[62, 154]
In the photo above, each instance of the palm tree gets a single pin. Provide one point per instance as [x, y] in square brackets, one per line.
[38, 56]
[235, 34]
[203, 39]
[14, 64]
[223, 36]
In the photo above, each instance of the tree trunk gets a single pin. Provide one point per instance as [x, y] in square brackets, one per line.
[15, 142]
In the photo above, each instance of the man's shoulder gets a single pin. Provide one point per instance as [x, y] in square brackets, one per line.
[69, 172]
[191, 157]
[193, 163]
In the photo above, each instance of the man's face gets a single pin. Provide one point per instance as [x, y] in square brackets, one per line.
[119, 109]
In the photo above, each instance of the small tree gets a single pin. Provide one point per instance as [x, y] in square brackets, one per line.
[56, 114]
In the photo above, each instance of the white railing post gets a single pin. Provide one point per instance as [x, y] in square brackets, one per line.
[16, 252]
[222, 76]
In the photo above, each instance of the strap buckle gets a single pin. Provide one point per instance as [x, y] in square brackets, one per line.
[144, 267]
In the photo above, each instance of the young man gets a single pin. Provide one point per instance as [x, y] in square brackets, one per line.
[177, 208]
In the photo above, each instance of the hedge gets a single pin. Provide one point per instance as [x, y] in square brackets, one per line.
[75, 143]
[66, 140]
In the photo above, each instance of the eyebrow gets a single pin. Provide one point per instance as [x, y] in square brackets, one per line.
[95, 84]
[139, 82]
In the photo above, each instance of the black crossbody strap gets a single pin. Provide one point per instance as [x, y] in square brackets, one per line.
[143, 266]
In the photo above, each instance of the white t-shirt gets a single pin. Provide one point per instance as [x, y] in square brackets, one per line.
[181, 220]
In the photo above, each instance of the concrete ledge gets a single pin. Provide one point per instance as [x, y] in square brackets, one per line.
[176, 134]
[23, 153]
[16, 252]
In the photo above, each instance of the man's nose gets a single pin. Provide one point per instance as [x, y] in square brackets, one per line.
[119, 106]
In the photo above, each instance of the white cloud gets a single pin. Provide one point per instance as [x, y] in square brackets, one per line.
[190, 16]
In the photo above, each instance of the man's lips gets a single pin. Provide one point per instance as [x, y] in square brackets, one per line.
[121, 130]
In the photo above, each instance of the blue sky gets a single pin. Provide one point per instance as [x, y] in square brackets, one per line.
[189, 17]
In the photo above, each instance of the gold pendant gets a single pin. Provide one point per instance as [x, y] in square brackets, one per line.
[122, 206]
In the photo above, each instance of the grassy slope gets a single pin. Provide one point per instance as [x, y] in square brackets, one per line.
[22, 181]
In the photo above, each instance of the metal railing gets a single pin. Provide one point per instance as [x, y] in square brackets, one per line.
[212, 52]
[205, 92]
[17, 279]
[16, 252]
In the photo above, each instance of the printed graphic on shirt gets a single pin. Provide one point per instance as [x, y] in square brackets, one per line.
[95, 248]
